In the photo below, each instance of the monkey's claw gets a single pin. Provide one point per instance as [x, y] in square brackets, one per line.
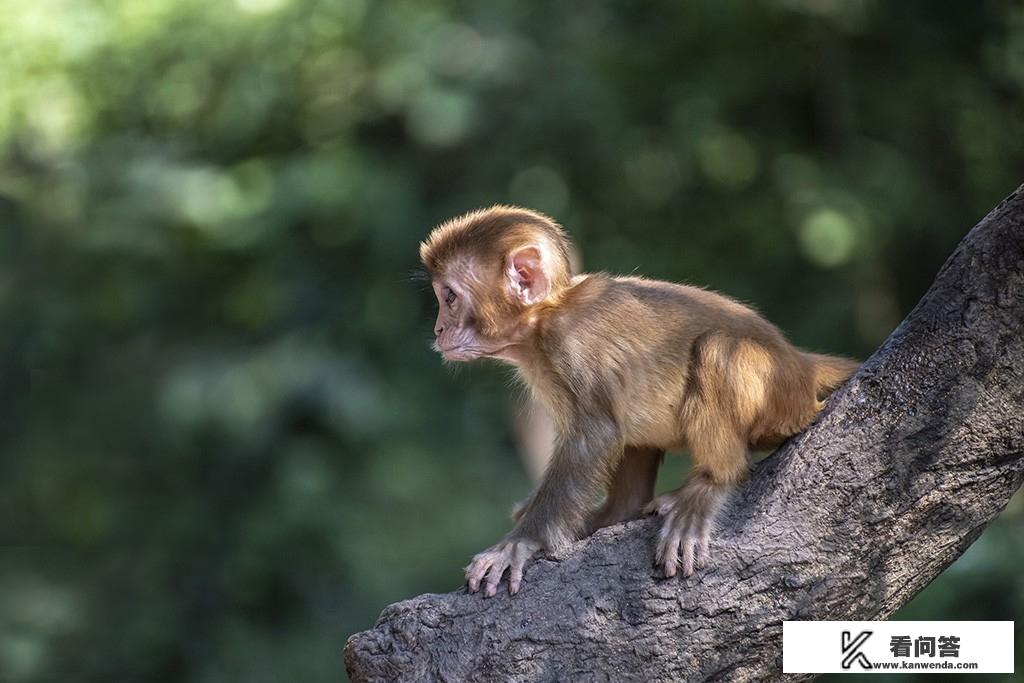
[683, 541]
[489, 566]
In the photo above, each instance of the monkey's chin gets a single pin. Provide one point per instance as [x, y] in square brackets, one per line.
[464, 354]
[460, 355]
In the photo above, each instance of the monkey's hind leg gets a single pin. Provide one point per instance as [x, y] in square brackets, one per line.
[631, 487]
[719, 464]
[728, 383]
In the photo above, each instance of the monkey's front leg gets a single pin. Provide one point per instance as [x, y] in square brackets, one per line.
[556, 513]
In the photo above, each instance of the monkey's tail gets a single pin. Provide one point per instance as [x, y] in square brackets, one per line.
[830, 372]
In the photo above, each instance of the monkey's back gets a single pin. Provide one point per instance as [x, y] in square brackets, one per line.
[677, 353]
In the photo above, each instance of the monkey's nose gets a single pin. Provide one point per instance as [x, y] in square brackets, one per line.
[438, 330]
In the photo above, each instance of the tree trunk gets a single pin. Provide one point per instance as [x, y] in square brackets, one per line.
[902, 471]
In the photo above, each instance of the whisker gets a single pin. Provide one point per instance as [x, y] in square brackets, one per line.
[418, 275]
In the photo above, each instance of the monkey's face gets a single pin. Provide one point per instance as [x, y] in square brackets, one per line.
[456, 335]
[486, 287]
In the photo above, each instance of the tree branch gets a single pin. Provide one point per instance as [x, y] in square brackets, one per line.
[908, 463]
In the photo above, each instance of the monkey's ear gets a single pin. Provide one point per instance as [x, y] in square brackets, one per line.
[527, 277]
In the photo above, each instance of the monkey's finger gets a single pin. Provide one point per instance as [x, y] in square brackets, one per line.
[670, 561]
[476, 574]
[476, 570]
[689, 541]
[704, 537]
[663, 534]
[670, 555]
[515, 575]
[691, 529]
[494, 575]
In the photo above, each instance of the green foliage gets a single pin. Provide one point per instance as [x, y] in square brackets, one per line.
[225, 444]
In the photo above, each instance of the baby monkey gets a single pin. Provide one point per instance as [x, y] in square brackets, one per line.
[628, 368]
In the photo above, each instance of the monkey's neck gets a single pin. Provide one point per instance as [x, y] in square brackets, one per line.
[536, 373]
[532, 363]
[522, 350]
[520, 355]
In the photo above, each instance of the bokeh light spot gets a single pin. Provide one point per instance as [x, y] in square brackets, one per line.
[827, 238]
[455, 49]
[260, 6]
[540, 187]
[727, 158]
[439, 118]
[57, 114]
[653, 173]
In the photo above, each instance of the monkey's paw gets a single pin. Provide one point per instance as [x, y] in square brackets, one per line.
[490, 565]
[684, 533]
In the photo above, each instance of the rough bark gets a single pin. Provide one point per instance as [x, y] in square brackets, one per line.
[908, 463]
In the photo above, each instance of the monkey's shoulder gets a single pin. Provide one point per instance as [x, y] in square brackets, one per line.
[592, 297]
[599, 307]
[583, 312]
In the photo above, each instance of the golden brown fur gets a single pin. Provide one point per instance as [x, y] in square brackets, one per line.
[628, 368]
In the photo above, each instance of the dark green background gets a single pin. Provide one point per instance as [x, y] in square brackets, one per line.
[224, 442]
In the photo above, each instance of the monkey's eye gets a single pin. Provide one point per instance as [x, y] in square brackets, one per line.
[449, 297]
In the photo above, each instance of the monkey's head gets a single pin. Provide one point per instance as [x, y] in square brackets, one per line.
[492, 271]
